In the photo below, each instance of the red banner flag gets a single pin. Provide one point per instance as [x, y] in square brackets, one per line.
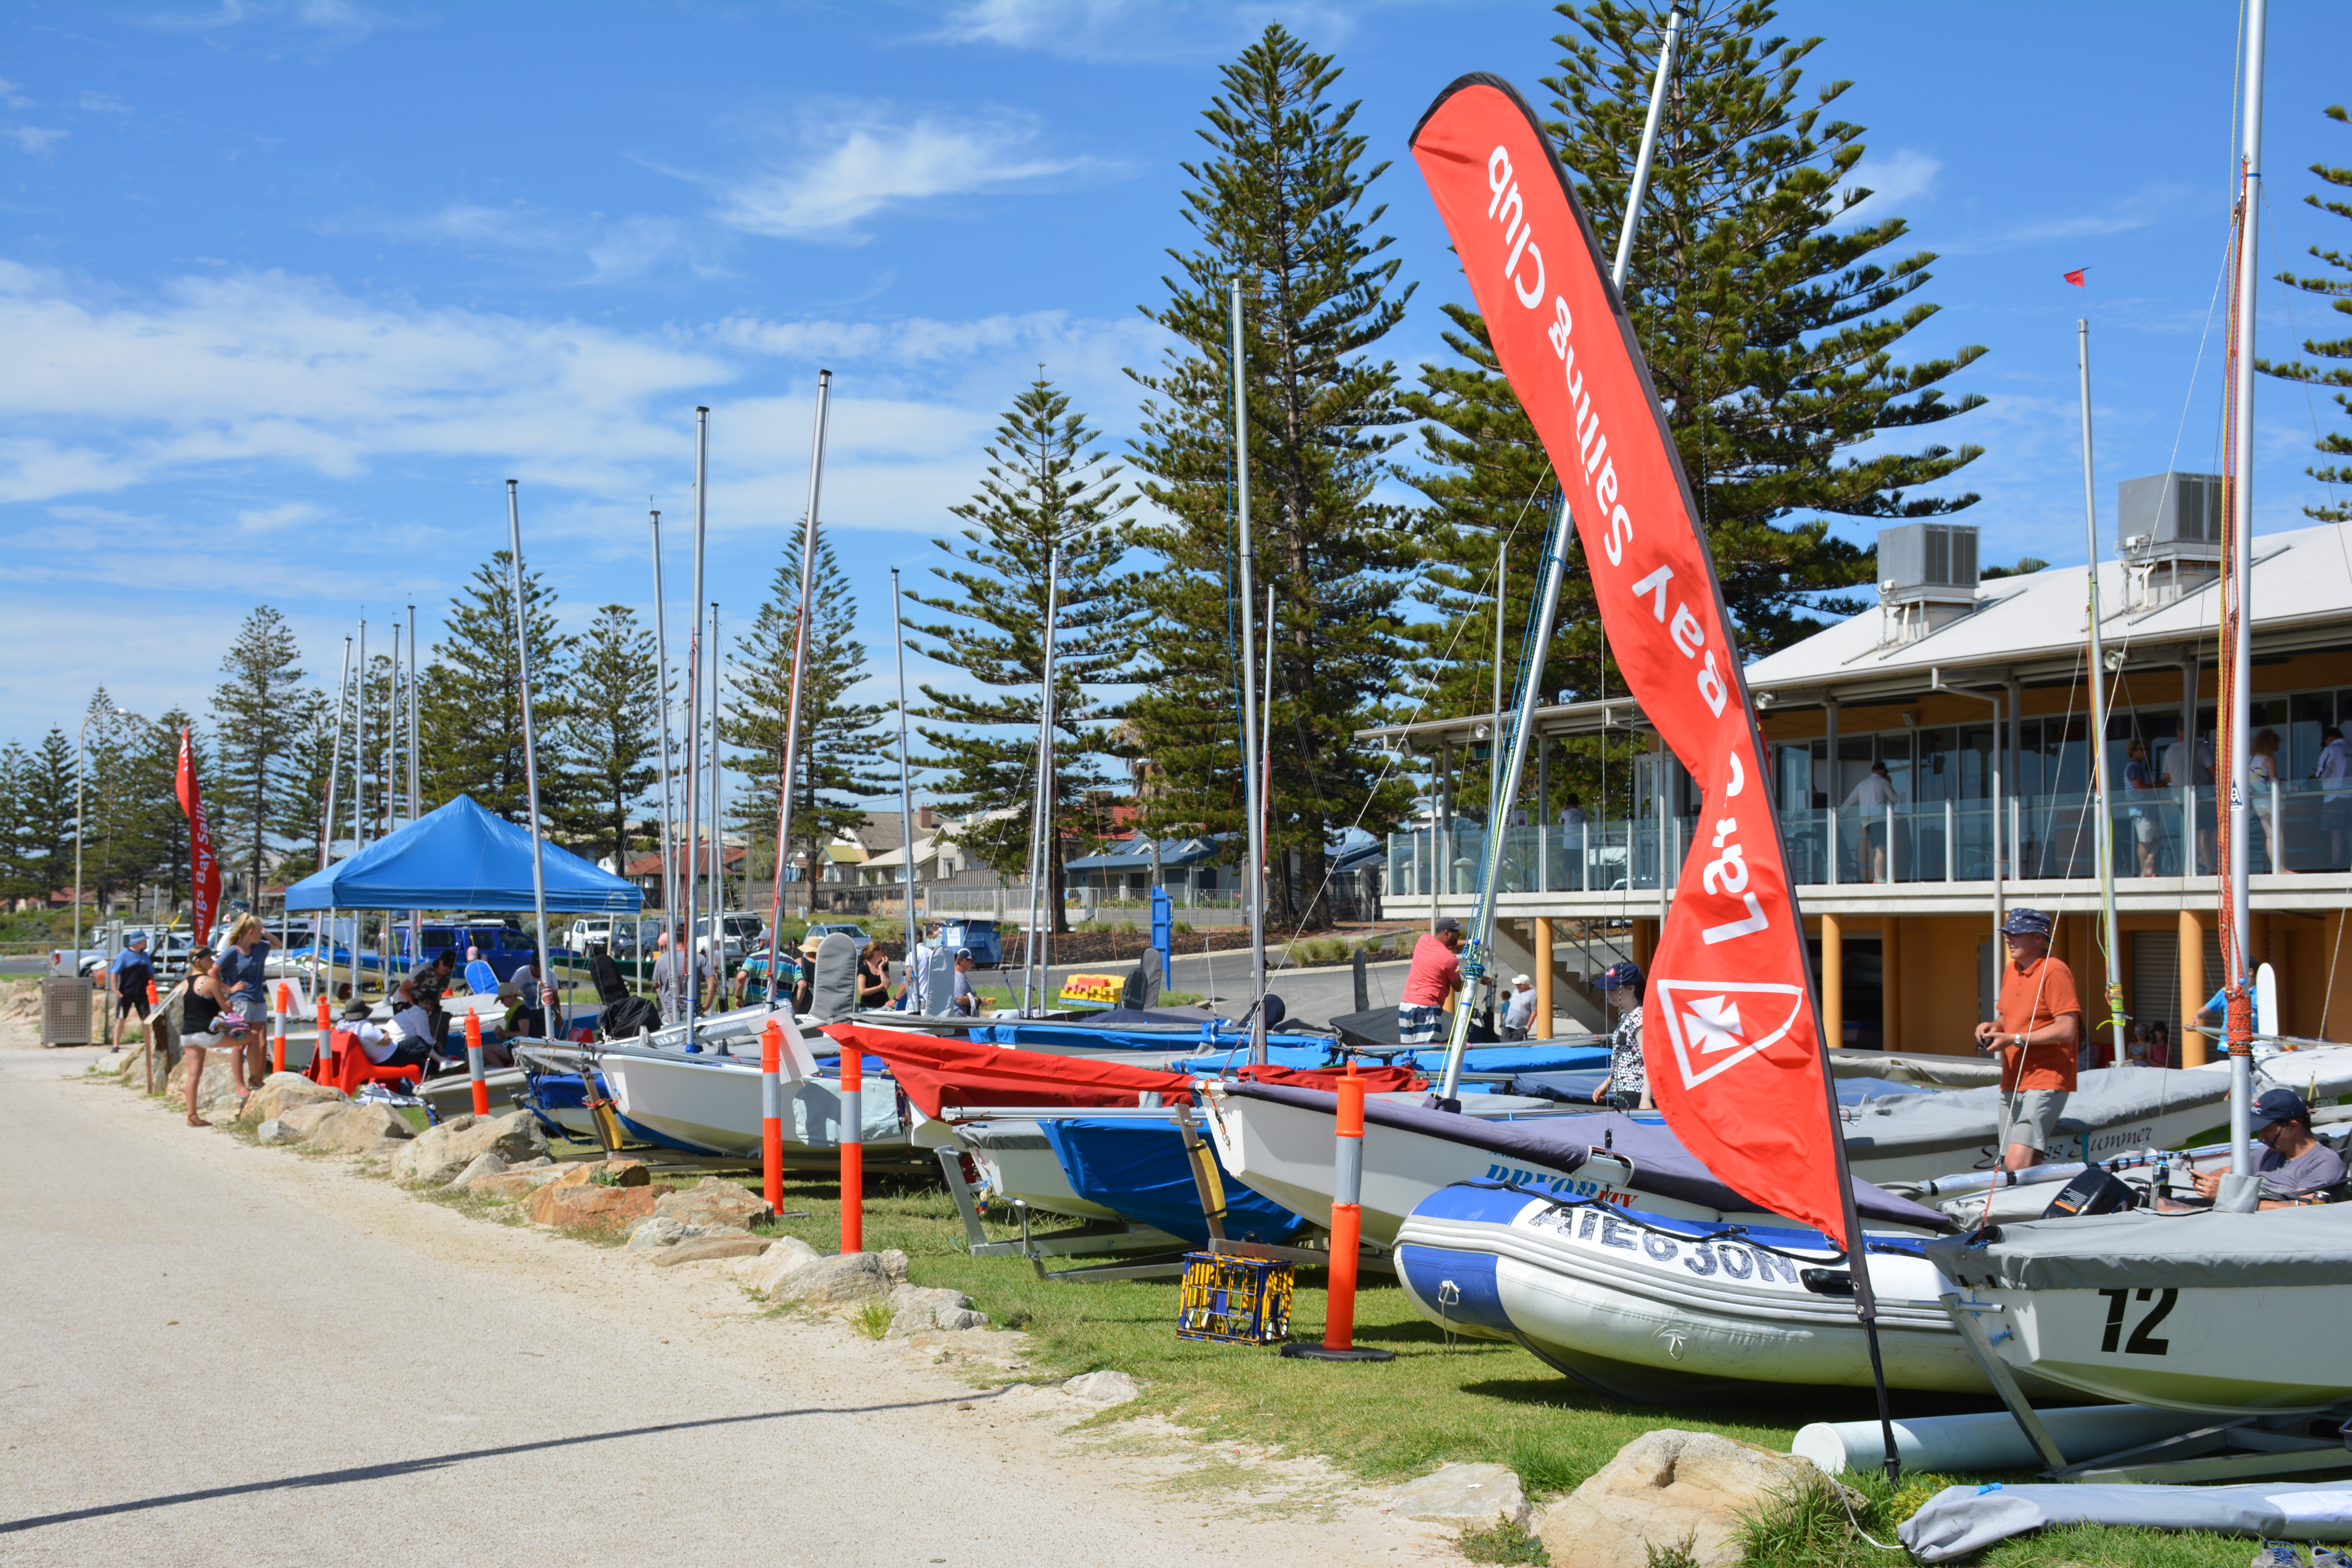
[1730, 1036]
[2079, 277]
[204, 871]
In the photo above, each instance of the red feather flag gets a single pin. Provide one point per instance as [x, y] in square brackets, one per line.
[1730, 1030]
[2079, 277]
[204, 871]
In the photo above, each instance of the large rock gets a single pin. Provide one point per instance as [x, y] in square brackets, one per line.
[360, 1130]
[589, 1207]
[441, 1152]
[655, 1232]
[511, 1184]
[842, 1280]
[1101, 1388]
[1666, 1487]
[274, 1131]
[281, 1093]
[915, 1309]
[1467, 1497]
[726, 1242]
[768, 1270]
[713, 1201]
[606, 1174]
[306, 1119]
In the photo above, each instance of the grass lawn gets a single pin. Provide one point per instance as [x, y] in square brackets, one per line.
[1434, 1404]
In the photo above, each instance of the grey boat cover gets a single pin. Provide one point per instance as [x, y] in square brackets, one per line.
[1563, 1142]
[833, 995]
[1960, 1522]
[1141, 991]
[2206, 1249]
[938, 989]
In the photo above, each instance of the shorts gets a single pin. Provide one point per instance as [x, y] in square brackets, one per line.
[2144, 828]
[125, 1002]
[211, 1040]
[2035, 1111]
[1418, 1025]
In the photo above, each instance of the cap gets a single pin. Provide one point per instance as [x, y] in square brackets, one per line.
[1447, 923]
[357, 1010]
[963, 952]
[1521, 980]
[1622, 977]
[2026, 922]
[2273, 1106]
[136, 939]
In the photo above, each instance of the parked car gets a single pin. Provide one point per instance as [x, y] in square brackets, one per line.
[615, 934]
[505, 947]
[856, 933]
[736, 935]
[983, 937]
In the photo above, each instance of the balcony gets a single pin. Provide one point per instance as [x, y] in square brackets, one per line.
[1932, 847]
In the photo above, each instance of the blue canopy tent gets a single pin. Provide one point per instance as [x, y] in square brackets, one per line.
[461, 858]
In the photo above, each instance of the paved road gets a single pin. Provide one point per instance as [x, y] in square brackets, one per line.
[215, 1353]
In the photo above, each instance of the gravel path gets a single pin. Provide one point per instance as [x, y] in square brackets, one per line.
[221, 1353]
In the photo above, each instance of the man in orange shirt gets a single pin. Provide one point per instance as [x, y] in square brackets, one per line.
[1430, 984]
[2035, 1026]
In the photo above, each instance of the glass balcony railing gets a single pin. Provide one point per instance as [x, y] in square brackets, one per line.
[2297, 826]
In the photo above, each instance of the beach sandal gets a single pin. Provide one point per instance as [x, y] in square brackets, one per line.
[195, 1121]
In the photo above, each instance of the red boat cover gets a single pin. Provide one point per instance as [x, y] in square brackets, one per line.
[935, 1072]
[1376, 1081]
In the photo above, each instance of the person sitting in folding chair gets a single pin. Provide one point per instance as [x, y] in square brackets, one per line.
[406, 1042]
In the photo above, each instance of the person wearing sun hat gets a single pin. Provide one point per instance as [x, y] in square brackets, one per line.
[2036, 1028]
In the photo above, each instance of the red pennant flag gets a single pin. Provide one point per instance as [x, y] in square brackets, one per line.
[204, 871]
[2076, 277]
[1729, 1023]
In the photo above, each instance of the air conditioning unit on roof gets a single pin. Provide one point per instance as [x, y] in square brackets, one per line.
[2169, 534]
[1927, 578]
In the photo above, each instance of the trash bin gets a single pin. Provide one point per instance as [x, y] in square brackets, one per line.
[65, 1010]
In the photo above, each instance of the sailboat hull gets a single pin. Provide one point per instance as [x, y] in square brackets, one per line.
[2278, 1351]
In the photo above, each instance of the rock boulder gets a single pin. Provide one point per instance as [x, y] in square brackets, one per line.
[724, 1242]
[306, 1119]
[1665, 1488]
[480, 1165]
[1101, 1388]
[844, 1280]
[283, 1092]
[360, 1130]
[713, 1201]
[511, 1184]
[605, 1173]
[766, 1272]
[1467, 1497]
[591, 1207]
[915, 1309]
[442, 1152]
[274, 1131]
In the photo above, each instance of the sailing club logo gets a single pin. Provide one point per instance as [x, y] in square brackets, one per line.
[1715, 1024]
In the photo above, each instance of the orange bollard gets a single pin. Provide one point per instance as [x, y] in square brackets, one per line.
[322, 1052]
[772, 1116]
[853, 1151]
[473, 1063]
[1346, 1235]
[278, 1035]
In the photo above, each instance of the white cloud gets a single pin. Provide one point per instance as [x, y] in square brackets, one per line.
[854, 161]
[34, 139]
[1132, 30]
[1902, 176]
[103, 103]
[2151, 204]
[285, 514]
[12, 95]
[611, 249]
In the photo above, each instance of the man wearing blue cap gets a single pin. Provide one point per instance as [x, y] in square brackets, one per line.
[2037, 1023]
[1627, 1086]
[2292, 1165]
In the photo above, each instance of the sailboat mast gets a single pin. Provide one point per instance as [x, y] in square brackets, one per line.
[906, 791]
[1034, 953]
[792, 709]
[661, 685]
[2103, 837]
[549, 1019]
[691, 974]
[1254, 876]
[2238, 622]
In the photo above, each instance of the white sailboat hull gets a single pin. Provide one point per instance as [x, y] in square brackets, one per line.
[2275, 1349]
[1019, 1166]
[712, 1103]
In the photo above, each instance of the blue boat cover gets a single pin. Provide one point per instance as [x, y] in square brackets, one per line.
[461, 858]
[1139, 1169]
[1563, 1141]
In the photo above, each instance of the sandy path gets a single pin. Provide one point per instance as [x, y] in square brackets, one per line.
[220, 1353]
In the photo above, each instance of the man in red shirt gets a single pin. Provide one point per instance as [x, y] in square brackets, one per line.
[2036, 1025]
[1430, 984]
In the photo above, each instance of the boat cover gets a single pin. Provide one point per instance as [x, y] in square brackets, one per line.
[1960, 1522]
[935, 1071]
[1563, 1142]
[1576, 1088]
[2204, 1249]
[1139, 1169]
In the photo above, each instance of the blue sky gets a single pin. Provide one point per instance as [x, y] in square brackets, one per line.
[289, 289]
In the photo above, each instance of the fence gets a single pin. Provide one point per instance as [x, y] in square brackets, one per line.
[2297, 826]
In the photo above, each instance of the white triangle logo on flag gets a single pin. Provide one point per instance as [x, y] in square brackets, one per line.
[1710, 1033]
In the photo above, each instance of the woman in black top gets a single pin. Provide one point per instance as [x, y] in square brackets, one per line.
[206, 1020]
[874, 976]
